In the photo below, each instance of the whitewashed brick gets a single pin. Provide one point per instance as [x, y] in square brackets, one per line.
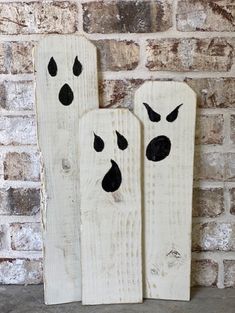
[17, 130]
[17, 95]
[20, 271]
[26, 236]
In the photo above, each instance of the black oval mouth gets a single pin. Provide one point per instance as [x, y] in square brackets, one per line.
[66, 95]
[158, 148]
[112, 179]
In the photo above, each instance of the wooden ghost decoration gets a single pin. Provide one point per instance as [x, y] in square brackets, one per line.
[167, 113]
[66, 87]
[110, 207]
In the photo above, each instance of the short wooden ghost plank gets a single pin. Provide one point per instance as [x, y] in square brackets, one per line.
[110, 207]
[66, 87]
[167, 112]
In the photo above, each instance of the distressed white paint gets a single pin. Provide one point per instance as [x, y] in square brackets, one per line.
[111, 221]
[58, 132]
[167, 190]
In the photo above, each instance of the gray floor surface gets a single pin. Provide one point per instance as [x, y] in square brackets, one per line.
[29, 299]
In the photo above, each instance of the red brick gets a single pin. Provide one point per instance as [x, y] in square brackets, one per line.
[127, 16]
[208, 202]
[38, 17]
[190, 54]
[118, 93]
[209, 166]
[200, 15]
[214, 92]
[16, 57]
[21, 166]
[204, 273]
[117, 55]
[209, 129]
[21, 60]
[232, 200]
[232, 134]
[229, 174]
[22, 201]
[229, 273]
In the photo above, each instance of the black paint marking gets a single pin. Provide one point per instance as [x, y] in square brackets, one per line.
[98, 143]
[153, 116]
[174, 253]
[52, 67]
[121, 141]
[158, 148]
[66, 95]
[174, 114]
[77, 67]
[112, 179]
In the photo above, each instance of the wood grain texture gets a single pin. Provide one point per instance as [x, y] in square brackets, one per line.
[58, 132]
[111, 221]
[167, 187]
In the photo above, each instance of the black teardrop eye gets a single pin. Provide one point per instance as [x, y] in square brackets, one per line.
[98, 143]
[77, 67]
[66, 95]
[153, 116]
[174, 114]
[52, 67]
[121, 141]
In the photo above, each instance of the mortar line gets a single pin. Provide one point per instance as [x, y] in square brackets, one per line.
[168, 34]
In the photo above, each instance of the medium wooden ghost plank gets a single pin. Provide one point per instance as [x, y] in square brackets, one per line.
[110, 207]
[66, 87]
[167, 112]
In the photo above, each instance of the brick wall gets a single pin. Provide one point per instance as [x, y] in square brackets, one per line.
[185, 40]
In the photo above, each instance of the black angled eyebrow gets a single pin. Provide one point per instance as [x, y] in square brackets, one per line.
[171, 117]
[153, 116]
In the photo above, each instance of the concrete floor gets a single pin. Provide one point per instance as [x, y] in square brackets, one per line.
[18, 299]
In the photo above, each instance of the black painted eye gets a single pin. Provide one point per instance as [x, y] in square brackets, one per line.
[52, 67]
[77, 67]
[153, 116]
[121, 141]
[66, 95]
[174, 114]
[98, 143]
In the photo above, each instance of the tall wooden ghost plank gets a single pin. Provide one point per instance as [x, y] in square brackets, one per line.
[110, 207]
[66, 87]
[167, 112]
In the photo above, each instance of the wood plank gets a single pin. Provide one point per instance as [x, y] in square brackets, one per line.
[110, 207]
[58, 112]
[167, 113]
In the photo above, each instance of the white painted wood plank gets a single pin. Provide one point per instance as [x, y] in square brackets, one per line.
[58, 132]
[168, 180]
[110, 207]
